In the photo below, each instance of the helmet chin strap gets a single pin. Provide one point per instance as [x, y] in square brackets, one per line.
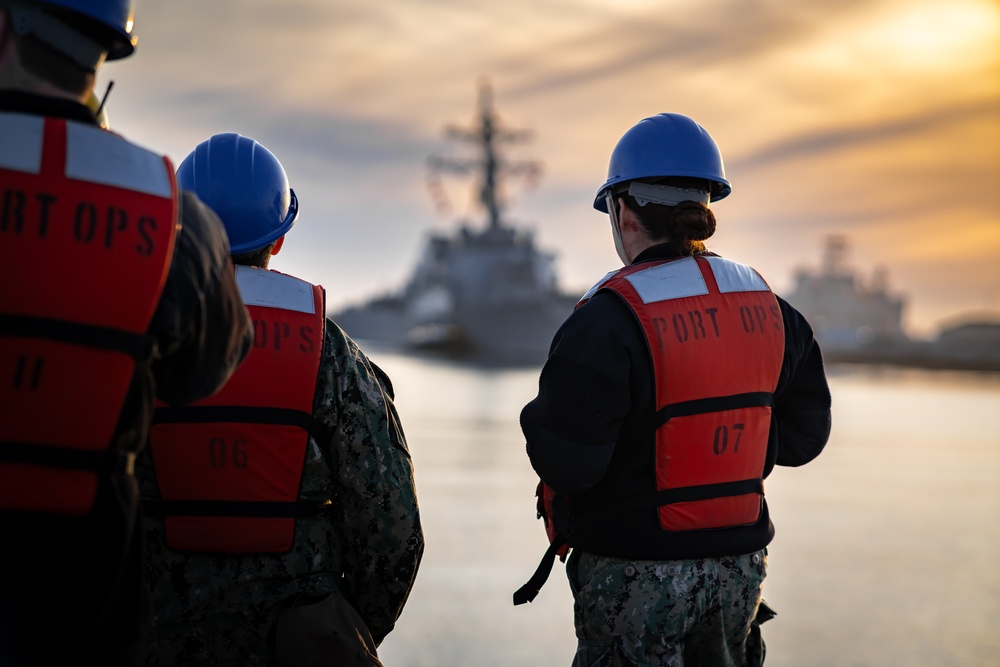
[612, 206]
[619, 246]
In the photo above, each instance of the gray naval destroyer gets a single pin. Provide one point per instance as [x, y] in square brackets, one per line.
[485, 294]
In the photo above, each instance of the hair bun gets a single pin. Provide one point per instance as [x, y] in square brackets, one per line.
[693, 221]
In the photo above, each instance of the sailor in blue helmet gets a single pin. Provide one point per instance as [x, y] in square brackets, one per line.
[119, 290]
[281, 516]
[669, 394]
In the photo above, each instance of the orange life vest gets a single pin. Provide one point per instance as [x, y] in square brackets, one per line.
[88, 223]
[716, 338]
[229, 467]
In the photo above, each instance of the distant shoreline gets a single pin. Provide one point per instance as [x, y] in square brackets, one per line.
[916, 355]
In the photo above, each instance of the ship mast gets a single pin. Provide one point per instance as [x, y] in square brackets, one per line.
[487, 135]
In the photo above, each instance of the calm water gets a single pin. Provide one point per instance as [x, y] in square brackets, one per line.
[887, 549]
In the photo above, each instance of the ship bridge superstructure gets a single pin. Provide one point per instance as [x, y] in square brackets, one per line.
[845, 310]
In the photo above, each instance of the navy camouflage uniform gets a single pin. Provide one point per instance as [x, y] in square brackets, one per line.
[221, 610]
[644, 596]
[632, 612]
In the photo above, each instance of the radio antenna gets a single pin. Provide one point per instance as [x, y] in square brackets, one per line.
[107, 91]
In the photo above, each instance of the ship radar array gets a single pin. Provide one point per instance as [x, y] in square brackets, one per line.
[487, 134]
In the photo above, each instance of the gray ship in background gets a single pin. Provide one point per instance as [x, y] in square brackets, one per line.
[860, 321]
[486, 294]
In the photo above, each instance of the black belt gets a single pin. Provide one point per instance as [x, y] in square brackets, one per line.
[528, 592]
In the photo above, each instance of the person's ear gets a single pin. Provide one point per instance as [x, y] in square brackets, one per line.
[620, 203]
[277, 246]
[626, 220]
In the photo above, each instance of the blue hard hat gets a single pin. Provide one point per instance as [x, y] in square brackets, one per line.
[245, 185]
[667, 144]
[115, 15]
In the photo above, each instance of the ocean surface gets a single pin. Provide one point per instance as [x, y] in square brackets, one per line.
[887, 550]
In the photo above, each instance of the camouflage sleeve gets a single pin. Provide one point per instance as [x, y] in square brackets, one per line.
[379, 521]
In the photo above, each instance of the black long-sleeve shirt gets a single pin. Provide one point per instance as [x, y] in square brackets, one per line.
[589, 430]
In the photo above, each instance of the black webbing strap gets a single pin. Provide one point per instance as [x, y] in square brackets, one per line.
[51, 456]
[138, 346]
[157, 508]
[715, 404]
[201, 414]
[529, 591]
[662, 497]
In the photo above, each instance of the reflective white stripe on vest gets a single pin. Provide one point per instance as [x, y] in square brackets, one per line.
[734, 277]
[260, 287]
[673, 280]
[593, 290]
[97, 156]
[21, 142]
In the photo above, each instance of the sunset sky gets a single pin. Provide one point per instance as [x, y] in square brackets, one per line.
[878, 119]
